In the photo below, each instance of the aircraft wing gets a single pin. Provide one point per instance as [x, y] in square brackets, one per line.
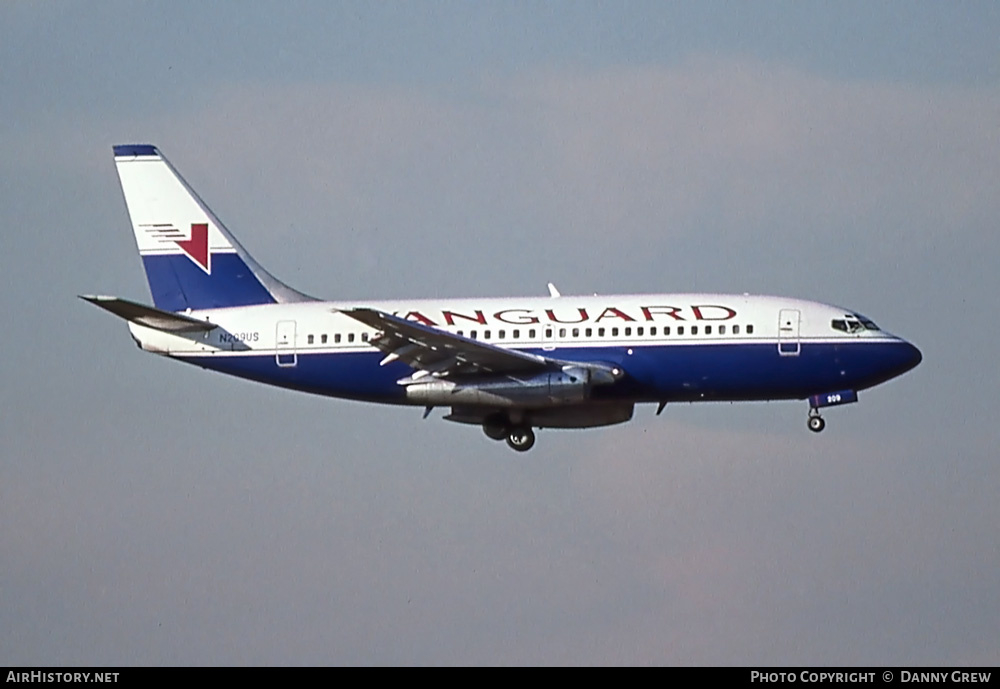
[435, 351]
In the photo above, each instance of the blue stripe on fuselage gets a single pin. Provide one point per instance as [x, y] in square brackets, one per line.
[354, 375]
[661, 372]
[178, 283]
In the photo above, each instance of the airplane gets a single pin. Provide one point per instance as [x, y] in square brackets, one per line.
[508, 365]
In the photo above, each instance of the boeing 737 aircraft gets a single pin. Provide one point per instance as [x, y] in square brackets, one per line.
[508, 365]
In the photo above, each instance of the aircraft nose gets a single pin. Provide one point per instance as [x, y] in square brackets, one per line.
[909, 356]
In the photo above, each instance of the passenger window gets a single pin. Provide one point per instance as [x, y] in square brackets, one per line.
[750, 330]
[548, 333]
[309, 339]
[460, 334]
[562, 332]
[628, 332]
[708, 330]
[336, 338]
[472, 334]
[614, 332]
[350, 337]
[736, 330]
[364, 337]
[531, 334]
[722, 330]
[638, 331]
[666, 330]
[680, 329]
[322, 339]
[694, 329]
[576, 332]
[589, 332]
[600, 332]
[486, 334]
[516, 334]
[652, 331]
[501, 334]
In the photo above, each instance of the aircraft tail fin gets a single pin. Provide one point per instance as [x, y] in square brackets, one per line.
[191, 260]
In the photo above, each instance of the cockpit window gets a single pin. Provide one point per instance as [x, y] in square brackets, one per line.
[847, 325]
[853, 323]
[866, 322]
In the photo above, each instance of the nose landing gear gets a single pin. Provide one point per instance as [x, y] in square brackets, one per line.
[815, 422]
[827, 399]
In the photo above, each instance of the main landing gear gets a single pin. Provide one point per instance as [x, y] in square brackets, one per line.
[815, 422]
[519, 436]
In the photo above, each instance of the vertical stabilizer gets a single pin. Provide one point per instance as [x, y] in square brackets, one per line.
[191, 260]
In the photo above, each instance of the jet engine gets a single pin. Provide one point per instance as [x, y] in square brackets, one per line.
[534, 391]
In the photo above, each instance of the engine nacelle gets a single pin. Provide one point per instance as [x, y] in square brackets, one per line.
[502, 392]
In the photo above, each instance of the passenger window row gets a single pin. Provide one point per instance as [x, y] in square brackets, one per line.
[628, 331]
[567, 333]
[337, 338]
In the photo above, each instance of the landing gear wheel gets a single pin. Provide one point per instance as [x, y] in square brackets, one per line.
[521, 438]
[816, 423]
[496, 426]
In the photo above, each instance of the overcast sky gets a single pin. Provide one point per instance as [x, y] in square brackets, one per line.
[154, 513]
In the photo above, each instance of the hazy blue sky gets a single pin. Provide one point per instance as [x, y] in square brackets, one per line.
[152, 513]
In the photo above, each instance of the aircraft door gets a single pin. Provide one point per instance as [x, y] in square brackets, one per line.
[788, 332]
[284, 344]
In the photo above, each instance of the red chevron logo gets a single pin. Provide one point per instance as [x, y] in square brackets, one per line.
[196, 248]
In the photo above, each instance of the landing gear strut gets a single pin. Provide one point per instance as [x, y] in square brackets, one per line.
[815, 422]
[521, 438]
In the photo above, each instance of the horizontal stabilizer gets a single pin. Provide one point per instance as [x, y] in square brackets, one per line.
[148, 316]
